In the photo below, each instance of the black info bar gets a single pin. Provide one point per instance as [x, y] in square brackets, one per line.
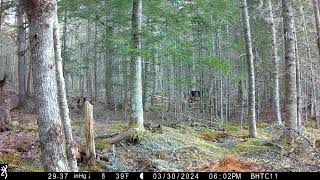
[159, 175]
[5, 174]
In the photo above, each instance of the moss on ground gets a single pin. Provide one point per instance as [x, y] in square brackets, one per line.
[17, 163]
[102, 144]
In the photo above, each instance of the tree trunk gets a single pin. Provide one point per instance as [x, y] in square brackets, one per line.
[52, 140]
[95, 62]
[275, 58]
[137, 107]
[290, 68]
[252, 105]
[29, 81]
[317, 19]
[5, 118]
[64, 38]
[308, 55]
[90, 145]
[109, 70]
[62, 99]
[21, 54]
[298, 78]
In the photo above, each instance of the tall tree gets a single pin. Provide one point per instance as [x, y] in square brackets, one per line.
[62, 98]
[275, 58]
[290, 67]
[252, 102]
[317, 19]
[41, 14]
[21, 53]
[136, 96]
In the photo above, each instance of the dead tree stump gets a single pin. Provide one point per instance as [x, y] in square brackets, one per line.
[5, 117]
[89, 132]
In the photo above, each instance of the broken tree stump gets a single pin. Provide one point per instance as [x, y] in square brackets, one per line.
[5, 117]
[89, 132]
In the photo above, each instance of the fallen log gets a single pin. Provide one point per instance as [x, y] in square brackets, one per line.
[130, 133]
[8, 150]
[106, 136]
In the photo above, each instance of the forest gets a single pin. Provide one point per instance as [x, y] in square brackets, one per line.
[160, 85]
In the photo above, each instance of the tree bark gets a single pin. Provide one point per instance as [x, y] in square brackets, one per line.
[90, 145]
[62, 99]
[275, 60]
[290, 68]
[252, 105]
[52, 141]
[109, 70]
[64, 37]
[308, 55]
[137, 105]
[21, 53]
[317, 19]
[298, 78]
[5, 118]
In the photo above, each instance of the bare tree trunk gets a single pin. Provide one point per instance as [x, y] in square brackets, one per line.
[95, 62]
[298, 78]
[21, 53]
[276, 66]
[241, 94]
[64, 45]
[88, 63]
[90, 145]
[29, 81]
[252, 101]
[52, 140]
[290, 68]
[317, 19]
[137, 105]
[309, 57]
[109, 71]
[62, 98]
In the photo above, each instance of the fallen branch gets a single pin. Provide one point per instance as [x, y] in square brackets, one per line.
[8, 150]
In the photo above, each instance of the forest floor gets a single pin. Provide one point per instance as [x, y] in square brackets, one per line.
[174, 147]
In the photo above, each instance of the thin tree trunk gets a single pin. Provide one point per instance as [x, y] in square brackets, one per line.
[298, 78]
[29, 82]
[62, 99]
[275, 58]
[252, 101]
[137, 105]
[52, 141]
[64, 37]
[109, 70]
[95, 62]
[21, 53]
[309, 57]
